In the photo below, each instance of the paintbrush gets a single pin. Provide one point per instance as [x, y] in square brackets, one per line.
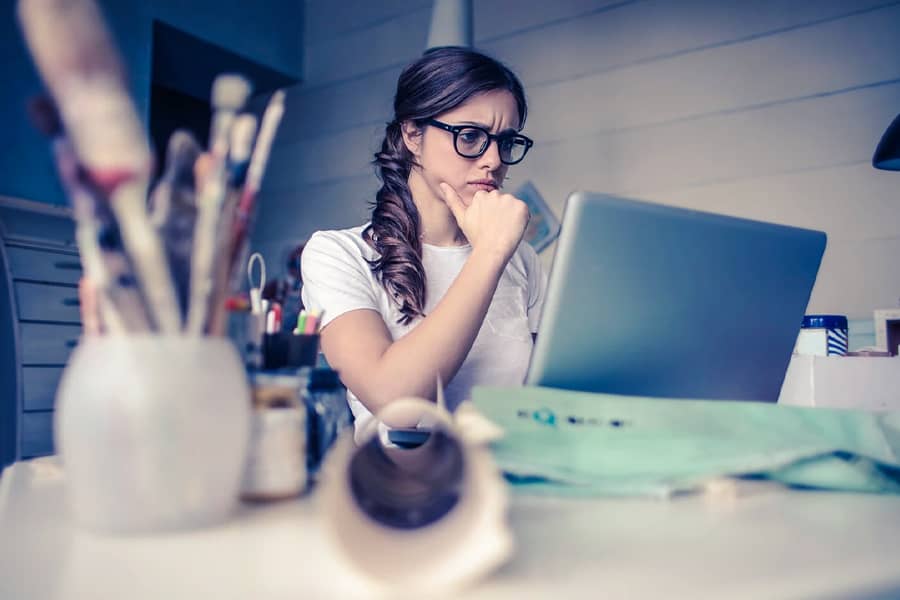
[121, 307]
[241, 144]
[79, 64]
[229, 92]
[247, 205]
[174, 213]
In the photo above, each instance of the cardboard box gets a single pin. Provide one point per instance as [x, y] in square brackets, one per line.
[864, 383]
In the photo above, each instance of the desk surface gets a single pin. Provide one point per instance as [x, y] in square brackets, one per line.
[769, 543]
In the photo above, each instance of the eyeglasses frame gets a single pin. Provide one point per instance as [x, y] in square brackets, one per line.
[456, 129]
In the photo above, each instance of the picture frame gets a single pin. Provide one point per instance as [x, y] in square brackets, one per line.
[544, 226]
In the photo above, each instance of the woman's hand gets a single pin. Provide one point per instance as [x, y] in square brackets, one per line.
[492, 222]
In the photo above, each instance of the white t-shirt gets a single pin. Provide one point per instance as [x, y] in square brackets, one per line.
[337, 279]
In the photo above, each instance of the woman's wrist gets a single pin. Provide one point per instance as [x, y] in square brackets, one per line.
[490, 258]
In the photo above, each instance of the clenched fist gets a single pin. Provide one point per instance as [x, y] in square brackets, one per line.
[493, 222]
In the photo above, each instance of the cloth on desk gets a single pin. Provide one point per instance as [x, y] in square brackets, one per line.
[576, 443]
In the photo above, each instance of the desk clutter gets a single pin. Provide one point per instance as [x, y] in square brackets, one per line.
[161, 262]
[165, 422]
[824, 372]
[169, 413]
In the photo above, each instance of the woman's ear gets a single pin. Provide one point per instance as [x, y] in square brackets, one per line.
[412, 136]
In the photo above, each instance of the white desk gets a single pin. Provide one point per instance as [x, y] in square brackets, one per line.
[768, 544]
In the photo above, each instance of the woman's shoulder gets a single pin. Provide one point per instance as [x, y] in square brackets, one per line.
[524, 266]
[525, 258]
[348, 241]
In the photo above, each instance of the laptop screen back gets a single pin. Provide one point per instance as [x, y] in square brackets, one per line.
[651, 300]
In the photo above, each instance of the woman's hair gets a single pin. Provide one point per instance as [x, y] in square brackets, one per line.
[442, 79]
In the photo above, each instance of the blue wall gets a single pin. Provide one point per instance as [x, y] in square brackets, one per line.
[270, 33]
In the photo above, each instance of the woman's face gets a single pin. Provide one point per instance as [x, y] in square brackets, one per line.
[433, 147]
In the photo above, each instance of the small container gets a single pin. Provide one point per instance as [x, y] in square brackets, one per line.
[285, 349]
[276, 462]
[823, 335]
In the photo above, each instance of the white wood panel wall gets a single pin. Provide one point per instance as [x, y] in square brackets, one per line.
[769, 110]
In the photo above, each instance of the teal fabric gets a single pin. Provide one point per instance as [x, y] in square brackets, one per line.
[576, 443]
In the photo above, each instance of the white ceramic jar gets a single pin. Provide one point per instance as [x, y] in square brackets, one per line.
[152, 431]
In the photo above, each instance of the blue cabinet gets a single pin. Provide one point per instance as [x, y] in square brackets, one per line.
[39, 321]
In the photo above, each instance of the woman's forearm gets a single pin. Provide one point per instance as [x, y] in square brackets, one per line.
[441, 341]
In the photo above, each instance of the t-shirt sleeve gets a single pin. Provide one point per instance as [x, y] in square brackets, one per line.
[537, 287]
[336, 277]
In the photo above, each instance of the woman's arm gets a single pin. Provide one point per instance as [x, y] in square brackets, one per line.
[379, 370]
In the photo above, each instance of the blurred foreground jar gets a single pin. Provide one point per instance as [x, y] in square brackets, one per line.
[152, 431]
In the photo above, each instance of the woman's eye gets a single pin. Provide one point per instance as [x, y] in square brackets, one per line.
[470, 137]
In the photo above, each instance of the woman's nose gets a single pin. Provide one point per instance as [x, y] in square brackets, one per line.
[491, 156]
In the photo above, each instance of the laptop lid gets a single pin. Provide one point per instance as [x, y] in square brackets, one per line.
[652, 300]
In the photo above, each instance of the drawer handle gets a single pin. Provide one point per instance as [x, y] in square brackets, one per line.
[68, 265]
[71, 302]
[71, 343]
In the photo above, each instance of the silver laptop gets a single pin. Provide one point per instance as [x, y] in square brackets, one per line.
[652, 300]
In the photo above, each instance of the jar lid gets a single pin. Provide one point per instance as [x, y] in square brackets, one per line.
[280, 378]
[824, 322]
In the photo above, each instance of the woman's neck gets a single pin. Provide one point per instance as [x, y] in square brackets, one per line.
[437, 224]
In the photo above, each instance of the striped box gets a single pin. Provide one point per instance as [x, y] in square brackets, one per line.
[823, 335]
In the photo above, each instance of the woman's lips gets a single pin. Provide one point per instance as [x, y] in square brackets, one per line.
[487, 186]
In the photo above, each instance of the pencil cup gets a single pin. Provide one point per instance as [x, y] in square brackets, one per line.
[285, 349]
[152, 431]
[428, 517]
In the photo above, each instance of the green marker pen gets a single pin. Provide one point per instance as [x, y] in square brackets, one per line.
[301, 323]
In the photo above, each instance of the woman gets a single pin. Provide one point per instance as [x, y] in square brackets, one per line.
[439, 282]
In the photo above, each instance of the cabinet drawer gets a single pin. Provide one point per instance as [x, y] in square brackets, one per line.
[42, 265]
[37, 222]
[39, 387]
[44, 344]
[42, 302]
[37, 434]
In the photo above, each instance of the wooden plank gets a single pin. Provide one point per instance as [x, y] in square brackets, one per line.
[334, 205]
[326, 19]
[652, 30]
[857, 277]
[322, 111]
[495, 19]
[358, 53]
[343, 154]
[851, 203]
[795, 64]
[816, 133]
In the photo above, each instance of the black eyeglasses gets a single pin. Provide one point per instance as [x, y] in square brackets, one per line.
[470, 141]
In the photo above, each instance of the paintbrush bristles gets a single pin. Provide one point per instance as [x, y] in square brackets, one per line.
[229, 92]
[181, 153]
